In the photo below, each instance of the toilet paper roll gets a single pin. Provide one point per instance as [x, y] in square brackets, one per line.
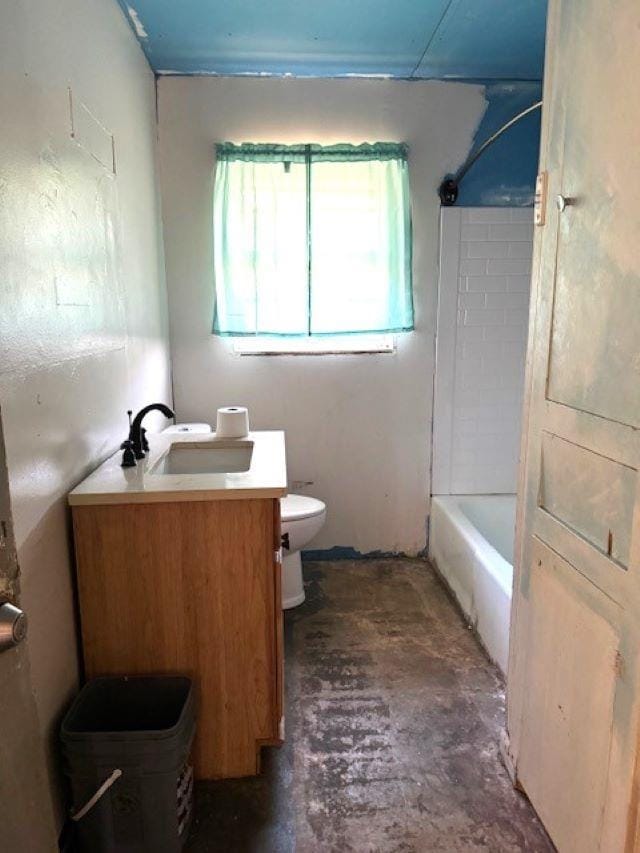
[232, 422]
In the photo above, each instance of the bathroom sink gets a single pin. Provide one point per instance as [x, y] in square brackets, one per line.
[211, 457]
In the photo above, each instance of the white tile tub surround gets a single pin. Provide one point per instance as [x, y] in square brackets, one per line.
[485, 270]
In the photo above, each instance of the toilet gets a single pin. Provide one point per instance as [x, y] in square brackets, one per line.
[302, 518]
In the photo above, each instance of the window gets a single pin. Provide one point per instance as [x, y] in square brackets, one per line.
[311, 240]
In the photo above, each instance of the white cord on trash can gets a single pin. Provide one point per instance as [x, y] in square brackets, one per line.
[117, 773]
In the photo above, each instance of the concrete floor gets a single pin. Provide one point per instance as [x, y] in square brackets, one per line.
[393, 719]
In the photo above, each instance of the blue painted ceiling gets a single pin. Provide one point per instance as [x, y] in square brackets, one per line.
[442, 39]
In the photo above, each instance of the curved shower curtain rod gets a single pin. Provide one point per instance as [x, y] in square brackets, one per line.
[448, 190]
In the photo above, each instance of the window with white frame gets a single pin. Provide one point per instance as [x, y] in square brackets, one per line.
[312, 242]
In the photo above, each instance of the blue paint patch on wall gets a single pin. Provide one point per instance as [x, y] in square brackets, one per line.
[341, 552]
[505, 174]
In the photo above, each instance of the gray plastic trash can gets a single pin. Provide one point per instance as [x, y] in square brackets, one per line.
[126, 741]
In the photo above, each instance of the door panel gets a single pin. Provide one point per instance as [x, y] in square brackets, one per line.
[573, 688]
[590, 317]
[592, 494]
[594, 364]
[572, 673]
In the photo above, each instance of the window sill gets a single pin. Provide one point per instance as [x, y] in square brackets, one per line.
[342, 345]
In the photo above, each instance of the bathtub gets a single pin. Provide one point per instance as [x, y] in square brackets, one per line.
[471, 539]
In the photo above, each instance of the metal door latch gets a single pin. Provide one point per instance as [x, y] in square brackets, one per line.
[13, 626]
[540, 200]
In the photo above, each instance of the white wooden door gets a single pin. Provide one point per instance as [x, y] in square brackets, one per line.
[574, 678]
[27, 822]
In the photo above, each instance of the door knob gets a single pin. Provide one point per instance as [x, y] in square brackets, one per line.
[563, 201]
[13, 626]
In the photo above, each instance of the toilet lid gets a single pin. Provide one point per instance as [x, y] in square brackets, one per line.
[293, 507]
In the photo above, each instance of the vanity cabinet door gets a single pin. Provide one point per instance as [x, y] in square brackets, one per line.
[279, 621]
[190, 587]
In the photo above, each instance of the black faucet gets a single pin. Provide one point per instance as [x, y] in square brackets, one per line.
[134, 447]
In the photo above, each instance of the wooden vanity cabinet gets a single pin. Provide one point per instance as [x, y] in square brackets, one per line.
[191, 587]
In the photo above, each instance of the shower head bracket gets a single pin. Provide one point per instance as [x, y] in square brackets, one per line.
[448, 192]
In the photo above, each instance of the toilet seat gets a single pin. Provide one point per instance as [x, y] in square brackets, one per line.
[297, 507]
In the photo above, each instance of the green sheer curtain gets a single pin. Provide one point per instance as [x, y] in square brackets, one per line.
[312, 240]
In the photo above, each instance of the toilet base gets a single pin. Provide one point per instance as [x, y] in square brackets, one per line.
[292, 586]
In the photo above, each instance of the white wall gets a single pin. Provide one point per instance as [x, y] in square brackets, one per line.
[83, 326]
[485, 272]
[358, 427]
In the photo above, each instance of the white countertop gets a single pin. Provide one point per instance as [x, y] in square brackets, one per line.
[112, 484]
